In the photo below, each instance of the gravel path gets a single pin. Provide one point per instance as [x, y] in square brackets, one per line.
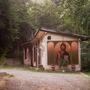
[27, 80]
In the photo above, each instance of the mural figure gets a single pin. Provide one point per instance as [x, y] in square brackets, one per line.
[64, 58]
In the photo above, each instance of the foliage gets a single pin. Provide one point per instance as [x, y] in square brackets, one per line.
[77, 15]
[2, 60]
[72, 15]
[44, 15]
[85, 56]
[12, 15]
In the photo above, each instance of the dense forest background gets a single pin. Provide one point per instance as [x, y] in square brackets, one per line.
[20, 18]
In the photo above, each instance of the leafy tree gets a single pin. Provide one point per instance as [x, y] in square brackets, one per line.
[5, 33]
[12, 15]
[77, 15]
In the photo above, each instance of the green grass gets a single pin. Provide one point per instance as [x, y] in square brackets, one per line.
[88, 73]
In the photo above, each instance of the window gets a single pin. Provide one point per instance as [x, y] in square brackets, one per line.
[49, 37]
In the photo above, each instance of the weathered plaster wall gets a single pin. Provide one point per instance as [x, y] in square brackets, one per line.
[43, 47]
[54, 37]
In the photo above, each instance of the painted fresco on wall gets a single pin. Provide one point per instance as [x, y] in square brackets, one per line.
[62, 53]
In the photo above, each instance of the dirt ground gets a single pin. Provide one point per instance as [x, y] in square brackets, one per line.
[4, 77]
[27, 80]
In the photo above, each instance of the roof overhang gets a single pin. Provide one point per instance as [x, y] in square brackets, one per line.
[38, 35]
[81, 37]
[42, 31]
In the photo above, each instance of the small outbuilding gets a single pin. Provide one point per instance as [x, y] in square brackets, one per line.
[51, 49]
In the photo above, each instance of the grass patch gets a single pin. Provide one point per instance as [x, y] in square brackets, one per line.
[88, 73]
